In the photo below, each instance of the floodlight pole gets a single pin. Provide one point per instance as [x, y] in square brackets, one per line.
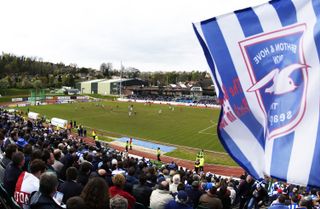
[121, 78]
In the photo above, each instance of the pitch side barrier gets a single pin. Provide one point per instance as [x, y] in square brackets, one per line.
[169, 103]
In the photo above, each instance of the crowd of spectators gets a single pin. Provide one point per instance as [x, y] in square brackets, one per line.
[46, 167]
[204, 100]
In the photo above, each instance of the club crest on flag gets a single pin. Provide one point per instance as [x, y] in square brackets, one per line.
[279, 77]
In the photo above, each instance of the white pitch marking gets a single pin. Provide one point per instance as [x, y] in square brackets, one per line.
[203, 130]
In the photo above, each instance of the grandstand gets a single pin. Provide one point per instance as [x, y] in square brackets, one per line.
[61, 152]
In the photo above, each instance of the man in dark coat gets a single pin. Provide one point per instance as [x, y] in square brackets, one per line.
[70, 187]
[43, 199]
[194, 193]
[12, 172]
[141, 191]
[245, 191]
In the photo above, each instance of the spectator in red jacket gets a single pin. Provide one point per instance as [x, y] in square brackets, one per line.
[119, 181]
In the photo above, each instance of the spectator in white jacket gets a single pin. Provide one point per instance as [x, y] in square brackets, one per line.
[175, 182]
[160, 196]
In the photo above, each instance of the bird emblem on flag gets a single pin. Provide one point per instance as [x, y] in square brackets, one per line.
[279, 76]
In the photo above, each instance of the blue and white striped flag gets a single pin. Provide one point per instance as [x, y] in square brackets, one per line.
[266, 69]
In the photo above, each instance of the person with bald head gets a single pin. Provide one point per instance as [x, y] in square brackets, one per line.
[161, 196]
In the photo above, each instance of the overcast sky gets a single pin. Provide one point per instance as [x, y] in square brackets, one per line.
[146, 34]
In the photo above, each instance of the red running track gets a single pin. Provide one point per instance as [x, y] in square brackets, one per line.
[216, 169]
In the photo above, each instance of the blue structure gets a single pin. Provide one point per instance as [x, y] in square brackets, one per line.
[150, 145]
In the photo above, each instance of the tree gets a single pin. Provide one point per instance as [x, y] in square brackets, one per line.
[4, 83]
[132, 72]
[106, 68]
[25, 83]
[37, 84]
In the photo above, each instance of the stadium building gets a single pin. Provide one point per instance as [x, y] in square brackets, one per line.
[109, 86]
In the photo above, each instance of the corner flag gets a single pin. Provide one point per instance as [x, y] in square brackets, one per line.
[266, 70]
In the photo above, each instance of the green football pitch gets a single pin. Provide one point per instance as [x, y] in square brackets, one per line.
[186, 126]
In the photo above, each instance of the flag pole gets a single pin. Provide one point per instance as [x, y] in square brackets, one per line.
[121, 79]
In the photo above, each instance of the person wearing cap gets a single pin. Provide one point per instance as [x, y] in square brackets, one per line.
[21, 142]
[181, 202]
[160, 196]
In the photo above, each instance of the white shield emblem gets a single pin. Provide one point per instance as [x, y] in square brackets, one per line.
[279, 76]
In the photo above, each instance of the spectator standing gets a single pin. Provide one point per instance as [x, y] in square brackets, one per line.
[245, 191]
[224, 196]
[233, 192]
[259, 196]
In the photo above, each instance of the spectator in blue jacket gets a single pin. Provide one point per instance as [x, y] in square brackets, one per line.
[280, 203]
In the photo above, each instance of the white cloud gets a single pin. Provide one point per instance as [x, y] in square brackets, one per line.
[146, 34]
